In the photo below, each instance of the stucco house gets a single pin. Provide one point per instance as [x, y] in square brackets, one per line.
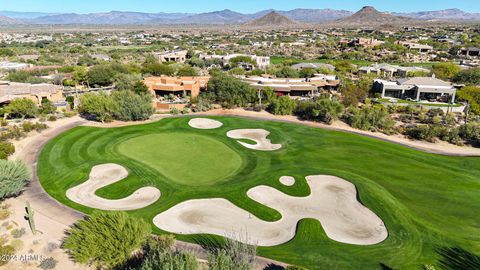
[36, 92]
[416, 88]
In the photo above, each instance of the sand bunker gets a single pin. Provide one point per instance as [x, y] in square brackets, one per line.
[257, 135]
[204, 123]
[287, 181]
[332, 201]
[104, 175]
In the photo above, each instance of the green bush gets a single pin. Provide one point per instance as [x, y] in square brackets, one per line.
[423, 132]
[324, 110]
[233, 255]
[14, 175]
[6, 149]
[230, 91]
[106, 239]
[22, 107]
[131, 107]
[97, 106]
[283, 105]
[471, 133]
[374, 118]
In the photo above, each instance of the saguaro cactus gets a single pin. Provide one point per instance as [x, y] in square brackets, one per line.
[29, 217]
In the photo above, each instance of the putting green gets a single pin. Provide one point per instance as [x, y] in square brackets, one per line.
[185, 158]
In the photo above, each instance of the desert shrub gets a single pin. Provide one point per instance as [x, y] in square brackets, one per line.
[230, 91]
[48, 263]
[51, 246]
[283, 105]
[294, 267]
[185, 110]
[374, 118]
[174, 260]
[324, 110]
[15, 132]
[5, 211]
[97, 106]
[17, 244]
[47, 107]
[106, 239]
[22, 107]
[14, 175]
[202, 102]
[27, 126]
[5, 252]
[132, 107]
[471, 133]
[174, 110]
[17, 233]
[159, 244]
[233, 255]
[422, 132]
[6, 149]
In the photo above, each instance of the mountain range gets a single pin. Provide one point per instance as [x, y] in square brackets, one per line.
[224, 17]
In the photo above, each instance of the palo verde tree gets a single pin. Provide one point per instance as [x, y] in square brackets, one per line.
[106, 239]
[22, 107]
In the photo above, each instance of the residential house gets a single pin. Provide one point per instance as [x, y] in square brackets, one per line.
[469, 52]
[261, 61]
[388, 70]
[416, 88]
[294, 86]
[36, 92]
[178, 56]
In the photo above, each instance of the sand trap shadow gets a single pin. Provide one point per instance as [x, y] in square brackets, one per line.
[104, 175]
[332, 201]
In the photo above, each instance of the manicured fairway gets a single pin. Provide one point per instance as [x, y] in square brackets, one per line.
[426, 201]
[187, 159]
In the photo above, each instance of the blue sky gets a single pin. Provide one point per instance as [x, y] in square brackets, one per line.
[246, 6]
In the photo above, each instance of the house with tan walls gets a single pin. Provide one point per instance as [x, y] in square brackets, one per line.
[36, 92]
[173, 91]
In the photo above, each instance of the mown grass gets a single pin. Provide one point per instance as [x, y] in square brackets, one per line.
[426, 201]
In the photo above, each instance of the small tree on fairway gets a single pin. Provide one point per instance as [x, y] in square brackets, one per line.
[14, 175]
[106, 239]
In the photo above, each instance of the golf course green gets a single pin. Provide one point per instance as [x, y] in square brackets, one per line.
[427, 202]
[188, 159]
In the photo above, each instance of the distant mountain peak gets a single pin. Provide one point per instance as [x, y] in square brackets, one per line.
[273, 18]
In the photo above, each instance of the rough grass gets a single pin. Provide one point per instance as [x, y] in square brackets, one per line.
[426, 201]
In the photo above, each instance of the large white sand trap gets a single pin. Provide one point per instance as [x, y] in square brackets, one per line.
[332, 201]
[104, 175]
[287, 181]
[259, 136]
[204, 123]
